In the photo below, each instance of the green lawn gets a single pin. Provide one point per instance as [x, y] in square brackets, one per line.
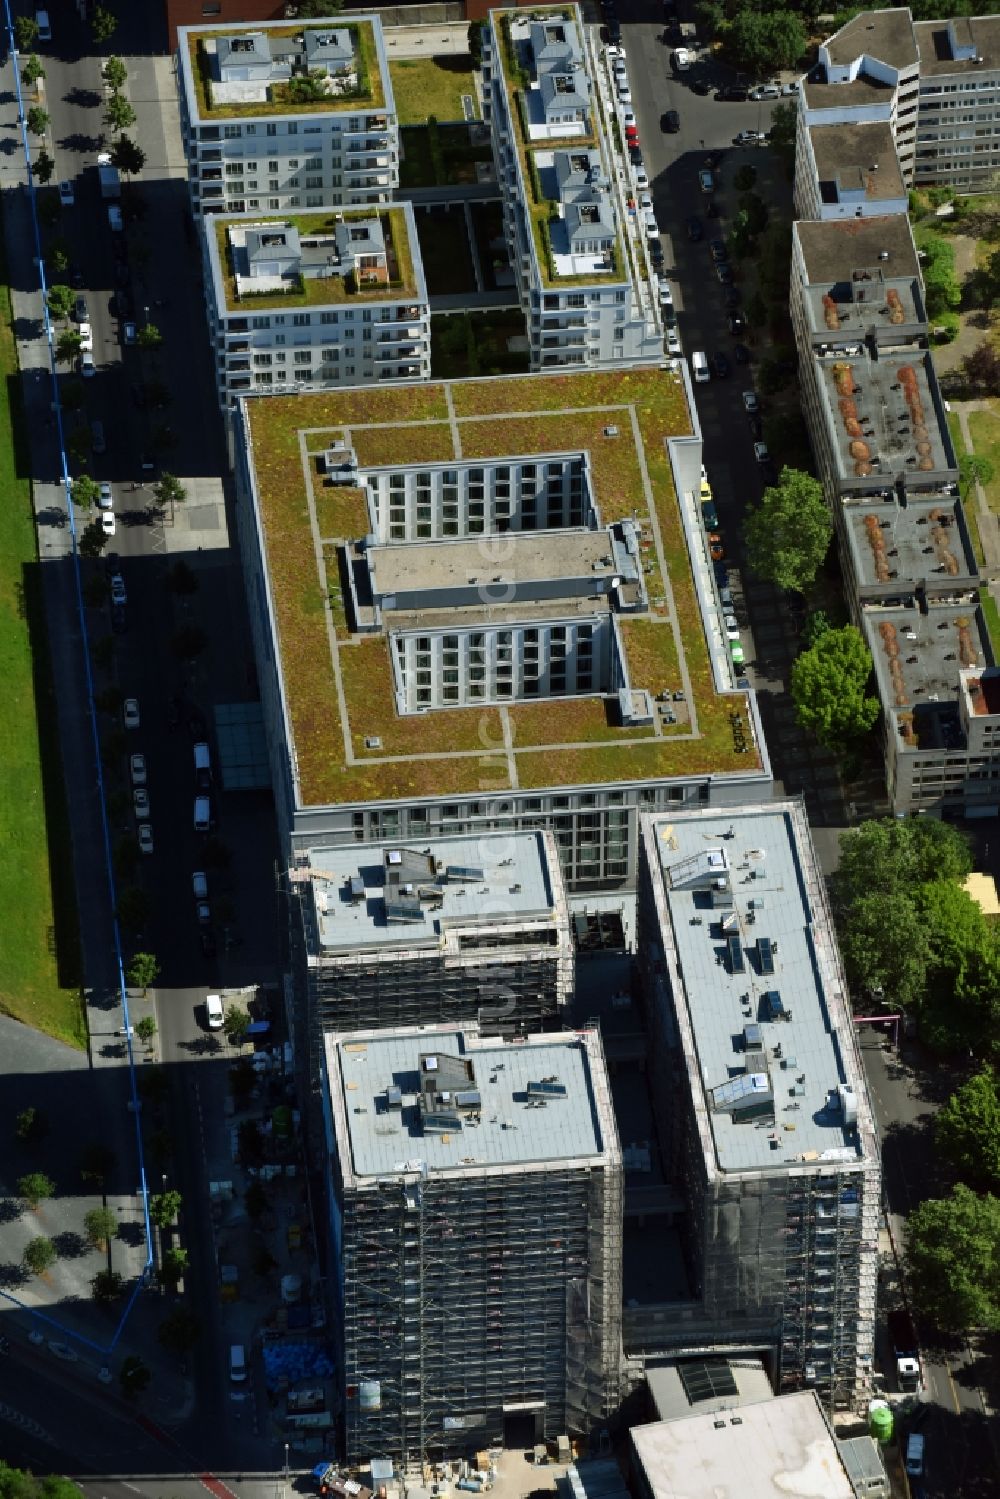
[984, 429]
[465, 344]
[432, 87]
[39, 959]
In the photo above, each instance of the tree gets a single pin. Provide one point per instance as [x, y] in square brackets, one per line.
[895, 857]
[828, 688]
[816, 625]
[103, 24]
[172, 1266]
[169, 490]
[68, 346]
[256, 1199]
[188, 642]
[92, 541]
[133, 1376]
[32, 1125]
[25, 33]
[475, 39]
[164, 1207]
[754, 211]
[127, 156]
[39, 1256]
[142, 971]
[37, 120]
[783, 127]
[251, 1143]
[763, 42]
[974, 468]
[884, 945]
[118, 113]
[84, 491]
[180, 1331]
[745, 178]
[149, 337]
[43, 167]
[182, 579]
[96, 1162]
[114, 74]
[35, 1187]
[242, 1080]
[788, 534]
[953, 1250]
[32, 71]
[78, 445]
[312, 9]
[145, 1029]
[133, 907]
[100, 1225]
[943, 293]
[263, 1261]
[982, 369]
[967, 1129]
[60, 300]
[57, 261]
[106, 1286]
[236, 1023]
[72, 395]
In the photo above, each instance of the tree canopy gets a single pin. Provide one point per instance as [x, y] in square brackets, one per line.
[788, 534]
[893, 855]
[967, 1129]
[828, 688]
[953, 1250]
[762, 41]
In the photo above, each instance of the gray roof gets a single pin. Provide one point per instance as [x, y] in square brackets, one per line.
[883, 34]
[577, 172]
[329, 48]
[568, 90]
[671, 1400]
[899, 427]
[924, 541]
[528, 558]
[918, 658]
[767, 932]
[555, 43]
[360, 237]
[251, 49]
[267, 242]
[780, 1449]
[589, 221]
[563, 1122]
[514, 885]
[832, 249]
[857, 161]
[952, 46]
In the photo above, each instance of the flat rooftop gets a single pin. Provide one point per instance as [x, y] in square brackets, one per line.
[696, 1388]
[497, 880]
[196, 49]
[765, 857]
[853, 159]
[918, 658]
[562, 1123]
[819, 94]
[780, 1449]
[883, 34]
[833, 248]
[338, 686]
[402, 248]
[979, 35]
[923, 541]
[885, 415]
[527, 557]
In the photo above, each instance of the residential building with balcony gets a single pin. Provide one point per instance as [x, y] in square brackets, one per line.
[284, 117]
[936, 83]
[884, 453]
[578, 257]
[315, 299]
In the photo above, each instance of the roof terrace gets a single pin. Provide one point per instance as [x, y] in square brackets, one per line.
[758, 990]
[348, 742]
[899, 547]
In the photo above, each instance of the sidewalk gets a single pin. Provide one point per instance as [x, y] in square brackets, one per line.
[988, 523]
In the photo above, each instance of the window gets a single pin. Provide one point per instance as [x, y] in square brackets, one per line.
[233, 132]
[293, 165]
[303, 356]
[314, 182]
[272, 166]
[328, 317]
[274, 202]
[314, 163]
[272, 129]
[262, 361]
[301, 320]
[234, 168]
[260, 322]
[292, 128]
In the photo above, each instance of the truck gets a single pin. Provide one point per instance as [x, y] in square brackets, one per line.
[906, 1351]
[111, 182]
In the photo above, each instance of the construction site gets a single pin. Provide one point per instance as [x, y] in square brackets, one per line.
[477, 1215]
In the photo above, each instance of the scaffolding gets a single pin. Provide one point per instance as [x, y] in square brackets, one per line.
[481, 1292]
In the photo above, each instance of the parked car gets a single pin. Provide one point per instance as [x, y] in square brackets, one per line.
[716, 547]
[673, 341]
[731, 298]
[137, 769]
[214, 1018]
[788, 90]
[665, 294]
[85, 364]
[670, 122]
[734, 93]
[650, 225]
[128, 333]
[86, 339]
[199, 884]
[67, 197]
[640, 175]
[694, 230]
[118, 620]
[760, 452]
[718, 249]
[130, 712]
[706, 180]
[118, 594]
[701, 85]
[80, 310]
[145, 838]
[140, 801]
[756, 426]
[741, 353]
[749, 138]
[655, 253]
[720, 364]
[751, 402]
[732, 629]
[108, 524]
[765, 91]
[724, 272]
[709, 514]
[628, 118]
[104, 496]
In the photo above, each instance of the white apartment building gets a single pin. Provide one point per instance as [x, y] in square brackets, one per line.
[279, 117]
[936, 83]
[315, 300]
[579, 270]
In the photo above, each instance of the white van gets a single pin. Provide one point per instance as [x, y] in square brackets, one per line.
[115, 218]
[202, 814]
[202, 767]
[915, 1455]
[681, 59]
[699, 367]
[237, 1363]
[213, 1012]
[44, 28]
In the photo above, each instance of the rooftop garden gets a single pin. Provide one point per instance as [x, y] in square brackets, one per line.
[433, 88]
[559, 741]
[322, 291]
[289, 98]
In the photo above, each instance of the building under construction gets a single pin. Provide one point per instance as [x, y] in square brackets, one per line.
[460, 929]
[476, 1213]
[763, 1114]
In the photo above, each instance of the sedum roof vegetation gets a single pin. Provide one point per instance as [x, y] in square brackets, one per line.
[555, 742]
[321, 291]
[369, 94]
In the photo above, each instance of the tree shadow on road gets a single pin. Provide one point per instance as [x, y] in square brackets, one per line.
[11, 1209]
[12, 1276]
[70, 1245]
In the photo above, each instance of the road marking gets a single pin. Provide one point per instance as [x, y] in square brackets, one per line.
[954, 1392]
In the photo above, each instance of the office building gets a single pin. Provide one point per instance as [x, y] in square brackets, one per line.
[277, 118]
[763, 1112]
[582, 274]
[476, 1220]
[315, 300]
[461, 929]
[465, 619]
[936, 83]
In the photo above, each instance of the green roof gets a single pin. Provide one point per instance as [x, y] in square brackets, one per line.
[338, 685]
[370, 93]
[320, 291]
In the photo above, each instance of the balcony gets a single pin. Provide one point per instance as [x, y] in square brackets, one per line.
[383, 144]
[369, 164]
[214, 174]
[213, 154]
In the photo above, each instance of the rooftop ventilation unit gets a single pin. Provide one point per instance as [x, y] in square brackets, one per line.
[734, 947]
[549, 1087]
[357, 889]
[403, 911]
[464, 872]
[442, 1122]
[765, 955]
